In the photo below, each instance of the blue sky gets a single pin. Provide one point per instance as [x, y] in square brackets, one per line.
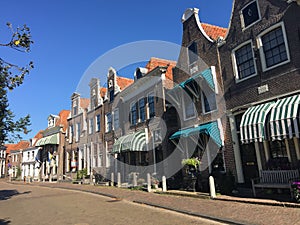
[70, 35]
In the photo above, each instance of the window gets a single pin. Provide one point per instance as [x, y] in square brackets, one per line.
[189, 107]
[244, 63]
[116, 119]
[192, 53]
[133, 114]
[91, 125]
[32, 154]
[98, 123]
[28, 156]
[108, 122]
[142, 110]
[111, 95]
[250, 14]
[151, 105]
[208, 102]
[274, 51]
[157, 136]
[77, 132]
[71, 133]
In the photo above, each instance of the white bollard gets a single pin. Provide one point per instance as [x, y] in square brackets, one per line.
[112, 179]
[164, 184]
[148, 182]
[119, 180]
[212, 187]
[134, 182]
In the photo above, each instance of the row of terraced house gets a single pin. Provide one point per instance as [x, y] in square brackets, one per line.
[232, 100]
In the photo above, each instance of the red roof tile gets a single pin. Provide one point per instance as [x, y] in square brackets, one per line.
[103, 91]
[155, 62]
[84, 102]
[123, 82]
[214, 31]
[19, 146]
[62, 121]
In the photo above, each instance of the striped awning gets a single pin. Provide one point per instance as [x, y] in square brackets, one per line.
[253, 123]
[49, 140]
[285, 119]
[211, 129]
[132, 142]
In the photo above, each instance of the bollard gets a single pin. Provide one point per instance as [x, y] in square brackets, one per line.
[164, 184]
[119, 180]
[134, 182]
[212, 187]
[112, 179]
[148, 182]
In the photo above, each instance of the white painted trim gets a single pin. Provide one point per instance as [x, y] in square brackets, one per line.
[236, 150]
[261, 50]
[214, 75]
[234, 63]
[242, 17]
[288, 151]
[203, 106]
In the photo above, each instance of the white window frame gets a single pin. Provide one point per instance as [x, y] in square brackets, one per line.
[106, 122]
[148, 106]
[77, 130]
[70, 134]
[91, 125]
[184, 110]
[203, 105]
[138, 111]
[137, 115]
[98, 120]
[116, 112]
[234, 63]
[261, 50]
[242, 16]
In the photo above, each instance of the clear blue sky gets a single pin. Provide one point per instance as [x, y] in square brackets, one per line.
[69, 35]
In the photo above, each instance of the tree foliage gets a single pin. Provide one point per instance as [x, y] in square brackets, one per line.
[12, 76]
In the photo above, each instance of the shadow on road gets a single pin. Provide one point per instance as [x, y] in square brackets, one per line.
[4, 221]
[7, 194]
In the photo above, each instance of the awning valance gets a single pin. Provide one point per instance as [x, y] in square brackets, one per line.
[285, 119]
[206, 75]
[132, 142]
[253, 122]
[49, 140]
[211, 129]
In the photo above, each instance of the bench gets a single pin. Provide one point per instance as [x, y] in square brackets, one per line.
[280, 179]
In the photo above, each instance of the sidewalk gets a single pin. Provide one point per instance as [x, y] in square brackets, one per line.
[224, 209]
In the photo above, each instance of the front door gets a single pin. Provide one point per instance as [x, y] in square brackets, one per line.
[249, 162]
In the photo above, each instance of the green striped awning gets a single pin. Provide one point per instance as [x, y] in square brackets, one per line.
[285, 119]
[211, 129]
[132, 142]
[49, 140]
[253, 123]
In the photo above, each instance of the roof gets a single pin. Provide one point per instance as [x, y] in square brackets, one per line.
[84, 102]
[19, 146]
[214, 31]
[155, 62]
[123, 82]
[62, 121]
[103, 91]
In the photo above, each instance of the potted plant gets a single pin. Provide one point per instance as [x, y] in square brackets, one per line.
[192, 163]
[296, 190]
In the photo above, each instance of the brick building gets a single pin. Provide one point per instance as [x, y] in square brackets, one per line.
[260, 61]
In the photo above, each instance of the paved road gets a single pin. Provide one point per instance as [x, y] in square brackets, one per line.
[26, 204]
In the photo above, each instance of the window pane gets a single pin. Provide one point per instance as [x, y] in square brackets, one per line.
[192, 53]
[151, 106]
[274, 47]
[250, 14]
[245, 61]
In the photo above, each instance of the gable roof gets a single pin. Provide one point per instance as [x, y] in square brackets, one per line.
[155, 62]
[124, 82]
[62, 121]
[19, 146]
[84, 103]
[214, 31]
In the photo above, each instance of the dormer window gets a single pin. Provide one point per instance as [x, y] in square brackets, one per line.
[250, 14]
[75, 109]
[51, 122]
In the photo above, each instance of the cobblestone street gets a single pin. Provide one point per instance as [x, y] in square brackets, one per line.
[231, 211]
